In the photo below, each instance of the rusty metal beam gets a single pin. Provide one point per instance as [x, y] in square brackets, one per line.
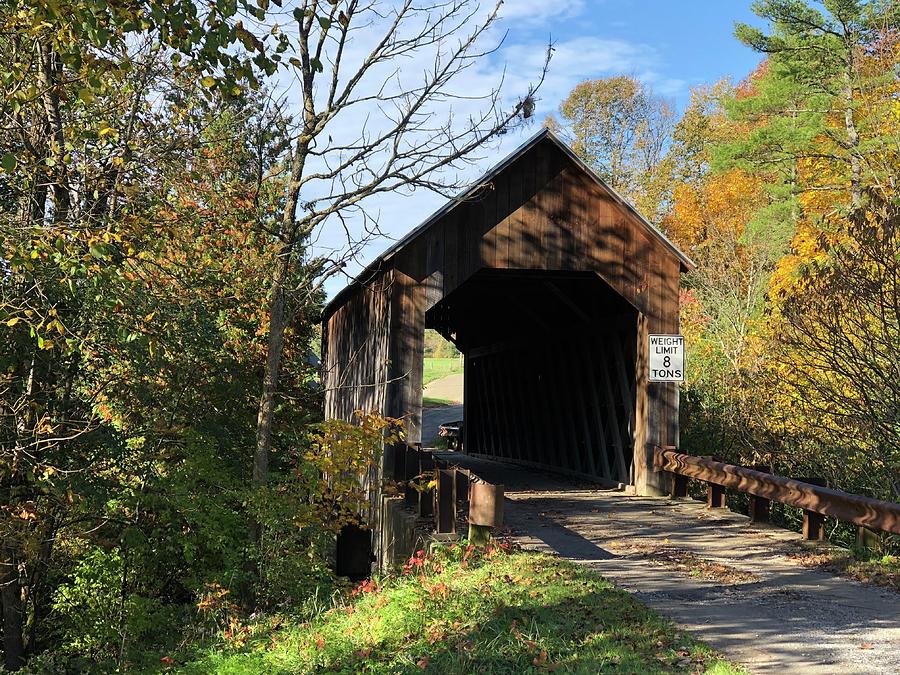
[865, 511]
[485, 504]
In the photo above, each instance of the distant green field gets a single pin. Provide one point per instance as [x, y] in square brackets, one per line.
[436, 368]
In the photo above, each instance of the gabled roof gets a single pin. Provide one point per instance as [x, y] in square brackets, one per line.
[373, 268]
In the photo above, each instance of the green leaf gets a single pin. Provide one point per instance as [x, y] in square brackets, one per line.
[316, 65]
[324, 22]
[8, 162]
[86, 95]
[208, 81]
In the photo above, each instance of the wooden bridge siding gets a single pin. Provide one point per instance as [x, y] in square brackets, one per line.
[405, 370]
[355, 355]
[356, 345]
[568, 223]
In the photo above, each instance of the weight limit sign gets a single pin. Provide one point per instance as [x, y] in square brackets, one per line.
[666, 358]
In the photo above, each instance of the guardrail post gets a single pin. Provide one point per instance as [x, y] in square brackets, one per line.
[813, 522]
[679, 486]
[715, 496]
[813, 526]
[445, 502]
[866, 538]
[715, 493]
[759, 509]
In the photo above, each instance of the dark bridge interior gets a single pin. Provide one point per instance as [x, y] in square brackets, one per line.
[549, 369]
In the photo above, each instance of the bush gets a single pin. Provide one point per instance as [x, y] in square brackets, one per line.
[97, 616]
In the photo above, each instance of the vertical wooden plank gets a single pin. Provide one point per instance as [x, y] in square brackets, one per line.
[566, 439]
[524, 243]
[498, 447]
[467, 403]
[540, 394]
[488, 446]
[473, 408]
[642, 462]
[579, 383]
[622, 473]
[522, 421]
[505, 406]
[596, 411]
[625, 376]
[569, 386]
[445, 517]
[485, 210]
[538, 222]
[501, 218]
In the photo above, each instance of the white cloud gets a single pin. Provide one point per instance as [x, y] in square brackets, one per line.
[579, 59]
[539, 13]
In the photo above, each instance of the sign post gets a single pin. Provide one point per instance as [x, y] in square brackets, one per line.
[666, 360]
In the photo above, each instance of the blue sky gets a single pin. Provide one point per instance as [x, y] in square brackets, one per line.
[671, 45]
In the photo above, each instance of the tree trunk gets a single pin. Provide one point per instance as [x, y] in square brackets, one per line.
[278, 318]
[852, 138]
[272, 371]
[49, 74]
[11, 596]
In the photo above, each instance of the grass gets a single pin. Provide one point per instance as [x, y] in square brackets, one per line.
[430, 402]
[437, 367]
[462, 610]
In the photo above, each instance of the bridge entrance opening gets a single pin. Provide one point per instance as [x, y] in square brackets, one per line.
[550, 362]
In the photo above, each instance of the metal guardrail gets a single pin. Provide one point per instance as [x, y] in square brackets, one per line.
[817, 501]
[437, 489]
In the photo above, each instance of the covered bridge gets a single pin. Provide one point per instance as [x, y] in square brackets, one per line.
[549, 283]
